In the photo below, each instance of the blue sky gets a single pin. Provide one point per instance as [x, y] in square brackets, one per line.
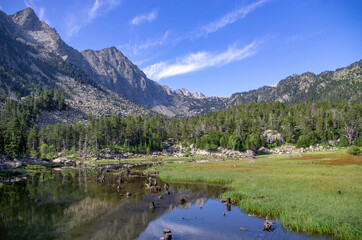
[218, 47]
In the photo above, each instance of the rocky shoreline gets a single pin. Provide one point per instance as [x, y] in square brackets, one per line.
[6, 162]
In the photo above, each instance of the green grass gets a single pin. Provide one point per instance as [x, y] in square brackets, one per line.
[300, 191]
[35, 167]
[169, 159]
[134, 160]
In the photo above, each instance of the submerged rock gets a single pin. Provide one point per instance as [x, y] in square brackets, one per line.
[268, 225]
[60, 160]
[168, 236]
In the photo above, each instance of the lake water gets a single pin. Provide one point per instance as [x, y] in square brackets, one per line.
[72, 205]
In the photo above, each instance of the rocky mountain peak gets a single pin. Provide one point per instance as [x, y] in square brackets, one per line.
[27, 19]
[115, 74]
[198, 95]
[183, 92]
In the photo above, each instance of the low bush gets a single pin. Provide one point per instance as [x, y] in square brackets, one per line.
[354, 151]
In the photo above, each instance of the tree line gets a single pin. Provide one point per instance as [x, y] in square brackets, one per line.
[240, 128]
[18, 117]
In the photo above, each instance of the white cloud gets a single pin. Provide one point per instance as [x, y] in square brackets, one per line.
[229, 18]
[185, 229]
[144, 18]
[134, 49]
[93, 12]
[200, 60]
[42, 13]
[98, 8]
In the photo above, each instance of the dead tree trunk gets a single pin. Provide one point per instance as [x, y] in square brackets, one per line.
[349, 131]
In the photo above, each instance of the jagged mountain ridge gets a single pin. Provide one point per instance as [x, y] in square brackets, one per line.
[27, 64]
[113, 70]
[34, 52]
[108, 67]
[342, 84]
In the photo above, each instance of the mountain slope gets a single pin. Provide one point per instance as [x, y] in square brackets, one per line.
[30, 59]
[113, 70]
[101, 83]
[342, 84]
[107, 67]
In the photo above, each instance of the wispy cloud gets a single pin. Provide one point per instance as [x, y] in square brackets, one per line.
[144, 18]
[302, 36]
[203, 31]
[88, 14]
[134, 49]
[229, 18]
[40, 11]
[200, 60]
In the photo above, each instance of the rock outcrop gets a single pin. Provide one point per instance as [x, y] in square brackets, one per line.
[273, 137]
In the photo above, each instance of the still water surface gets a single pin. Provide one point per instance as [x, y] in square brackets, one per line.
[72, 205]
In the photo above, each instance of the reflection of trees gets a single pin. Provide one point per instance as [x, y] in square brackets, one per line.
[27, 211]
[72, 205]
[98, 219]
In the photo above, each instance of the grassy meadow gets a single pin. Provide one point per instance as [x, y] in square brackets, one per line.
[136, 160]
[301, 191]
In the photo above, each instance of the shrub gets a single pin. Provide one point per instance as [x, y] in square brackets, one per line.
[354, 151]
[211, 147]
[303, 141]
[343, 142]
[47, 152]
[358, 142]
[188, 152]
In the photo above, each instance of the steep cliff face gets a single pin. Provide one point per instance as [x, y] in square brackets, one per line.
[113, 70]
[38, 34]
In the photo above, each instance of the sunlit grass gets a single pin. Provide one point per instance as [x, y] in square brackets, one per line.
[299, 190]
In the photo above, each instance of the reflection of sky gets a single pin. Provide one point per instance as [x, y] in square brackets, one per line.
[209, 223]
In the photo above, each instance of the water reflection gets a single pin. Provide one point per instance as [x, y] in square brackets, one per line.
[71, 205]
[209, 223]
